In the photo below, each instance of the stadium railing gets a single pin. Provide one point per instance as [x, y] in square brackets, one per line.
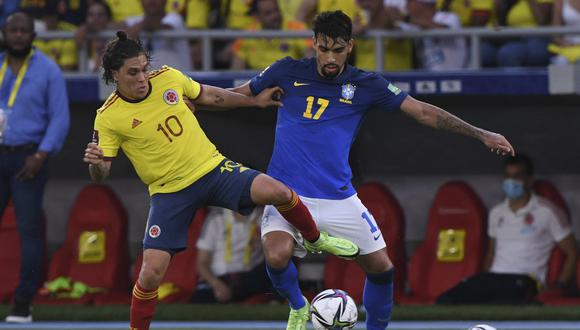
[475, 35]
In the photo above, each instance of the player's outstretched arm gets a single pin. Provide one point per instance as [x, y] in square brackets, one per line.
[99, 168]
[221, 98]
[430, 115]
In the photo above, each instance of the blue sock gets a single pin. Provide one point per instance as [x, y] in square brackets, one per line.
[378, 299]
[285, 281]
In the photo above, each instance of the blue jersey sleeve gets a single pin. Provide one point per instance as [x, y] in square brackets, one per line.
[386, 95]
[269, 77]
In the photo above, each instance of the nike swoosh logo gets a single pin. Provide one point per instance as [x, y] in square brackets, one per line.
[297, 84]
[377, 237]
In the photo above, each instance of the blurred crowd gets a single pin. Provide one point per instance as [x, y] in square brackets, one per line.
[430, 53]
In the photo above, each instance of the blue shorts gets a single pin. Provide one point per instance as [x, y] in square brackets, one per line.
[228, 185]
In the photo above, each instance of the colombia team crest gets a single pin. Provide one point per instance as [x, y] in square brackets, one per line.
[154, 231]
[170, 97]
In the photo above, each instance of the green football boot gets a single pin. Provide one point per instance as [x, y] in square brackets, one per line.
[299, 317]
[339, 247]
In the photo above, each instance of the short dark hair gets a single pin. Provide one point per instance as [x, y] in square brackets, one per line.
[521, 159]
[333, 25]
[117, 51]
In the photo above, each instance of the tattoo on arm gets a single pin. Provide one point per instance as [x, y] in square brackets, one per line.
[218, 99]
[451, 123]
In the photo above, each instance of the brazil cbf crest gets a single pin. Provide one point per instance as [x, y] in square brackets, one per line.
[347, 93]
[170, 97]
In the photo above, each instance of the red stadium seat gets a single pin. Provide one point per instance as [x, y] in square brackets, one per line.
[182, 271]
[95, 250]
[389, 216]
[457, 222]
[549, 191]
[9, 254]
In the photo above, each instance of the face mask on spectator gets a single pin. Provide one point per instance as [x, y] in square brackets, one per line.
[513, 189]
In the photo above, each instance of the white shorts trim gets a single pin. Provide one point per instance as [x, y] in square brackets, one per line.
[347, 218]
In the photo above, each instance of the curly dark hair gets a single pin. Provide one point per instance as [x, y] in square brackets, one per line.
[333, 25]
[117, 51]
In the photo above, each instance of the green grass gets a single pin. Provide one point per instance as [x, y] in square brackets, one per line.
[190, 312]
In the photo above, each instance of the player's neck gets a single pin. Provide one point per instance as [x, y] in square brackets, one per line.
[126, 96]
[519, 203]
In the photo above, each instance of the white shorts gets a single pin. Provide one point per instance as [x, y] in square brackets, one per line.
[346, 218]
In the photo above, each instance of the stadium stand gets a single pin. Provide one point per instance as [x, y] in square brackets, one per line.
[94, 258]
[549, 191]
[454, 245]
[9, 254]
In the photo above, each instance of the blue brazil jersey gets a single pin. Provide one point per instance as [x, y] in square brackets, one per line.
[318, 123]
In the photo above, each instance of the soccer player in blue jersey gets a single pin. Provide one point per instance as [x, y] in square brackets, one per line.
[324, 102]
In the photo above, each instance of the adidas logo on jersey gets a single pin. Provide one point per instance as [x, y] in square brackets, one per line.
[136, 122]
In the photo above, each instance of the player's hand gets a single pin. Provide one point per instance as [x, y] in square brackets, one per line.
[222, 292]
[498, 143]
[32, 165]
[269, 97]
[93, 154]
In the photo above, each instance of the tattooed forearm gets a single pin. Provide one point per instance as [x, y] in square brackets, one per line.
[449, 122]
[218, 100]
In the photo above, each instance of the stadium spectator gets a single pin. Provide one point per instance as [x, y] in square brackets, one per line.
[437, 53]
[123, 9]
[566, 48]
[289, 9]
[98, 19]
[257, 54]
[230, 262]
[34, 122]
[309, 8]
[525, 51]
[522, 230]
[471, 13]
[398, 53]
[173, 52]
[182, 168]
[62, 51]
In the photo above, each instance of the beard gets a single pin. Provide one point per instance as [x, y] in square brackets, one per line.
[18, 53]
[330, 75]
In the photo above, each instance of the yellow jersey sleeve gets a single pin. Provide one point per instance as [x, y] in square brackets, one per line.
[191, 88]
[105, 137]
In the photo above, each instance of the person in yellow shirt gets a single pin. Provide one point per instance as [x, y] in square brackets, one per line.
[148, 118]
[471, 13]
[122, 9]
[62, 51]
[257, 54]
[528, 51]
[398, 53]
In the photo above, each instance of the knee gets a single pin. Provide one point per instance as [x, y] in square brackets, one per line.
[281, 194]
[277, 254]
[150, 276]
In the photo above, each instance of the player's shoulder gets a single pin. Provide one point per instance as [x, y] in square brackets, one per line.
[289, 64]
[163, 71]
[363, 75]
[112, 101]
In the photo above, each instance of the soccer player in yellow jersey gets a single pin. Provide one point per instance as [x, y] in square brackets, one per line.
[147, 117]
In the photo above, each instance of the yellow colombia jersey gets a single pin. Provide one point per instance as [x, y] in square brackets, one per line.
[159, 135]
